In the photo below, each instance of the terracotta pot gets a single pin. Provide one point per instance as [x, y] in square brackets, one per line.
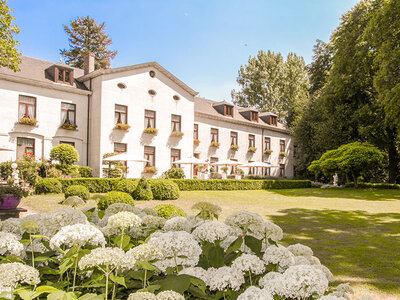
[9, 201]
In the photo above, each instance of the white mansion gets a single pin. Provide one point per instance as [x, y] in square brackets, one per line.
[141, 109]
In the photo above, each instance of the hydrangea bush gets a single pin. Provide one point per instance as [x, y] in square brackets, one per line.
[126, 252]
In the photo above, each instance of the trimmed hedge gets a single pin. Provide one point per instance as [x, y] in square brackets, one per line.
[143, 190]
[48, 186]
[77, 190]
[164, 189]
[85, 172]
[364, 185]
[114, 197]
[126, 186]
[168, 210]
[104, 185]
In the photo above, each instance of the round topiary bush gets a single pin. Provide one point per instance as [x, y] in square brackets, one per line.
[65, 154]
[73, 201]
[164, 190]
[114, 197]
[48, 185]
[126, 186]
[85, 172]
[77, 190]
[168, 210]
[143, 190]
[174, 173]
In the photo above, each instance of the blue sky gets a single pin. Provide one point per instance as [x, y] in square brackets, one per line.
[202, 42]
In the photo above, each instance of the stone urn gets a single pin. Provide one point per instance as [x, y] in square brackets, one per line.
[9, 201]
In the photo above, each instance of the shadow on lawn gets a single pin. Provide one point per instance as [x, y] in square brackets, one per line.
[350, 193]
[352, 244]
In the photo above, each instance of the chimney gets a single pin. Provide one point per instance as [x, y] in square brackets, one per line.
[88, 62]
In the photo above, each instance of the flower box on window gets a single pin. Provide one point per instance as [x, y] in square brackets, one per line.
[252, 149]
[177, 133]
[267, 151]
[196, 141]
[151, 170]
[122, 126]
[282, 153]
[28, 121]
[69, 126]
[214, 144]
[234, 147]
[150, 130]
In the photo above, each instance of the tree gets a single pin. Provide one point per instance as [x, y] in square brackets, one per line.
[65, 154]
[9, 55]
[269, 83]
[85, 35]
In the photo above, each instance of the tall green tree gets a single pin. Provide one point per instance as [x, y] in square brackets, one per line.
[86, 35]
[9, 55]
[269, 83]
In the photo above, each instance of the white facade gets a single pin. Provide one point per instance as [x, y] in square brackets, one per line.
[96, 95]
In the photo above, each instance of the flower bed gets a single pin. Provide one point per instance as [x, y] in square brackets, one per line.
[28, 121]
[132, 253]
[122, 126]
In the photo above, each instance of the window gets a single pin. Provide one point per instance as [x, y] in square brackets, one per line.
[254, 116]
[214, 135]
[68, 143]
[25, 146]
[149, 119]
[64, 75]
[196, 131]
[234, 138]
[282, 146]
[68, 113]
[176, 123]
[214, 160]
[282, 170]
[175, 155]
[252, 140]
[27, 107]
[121, 114]
[228, 110]
[267, 143]
[120, 147]
[274, 120]
[150, 155]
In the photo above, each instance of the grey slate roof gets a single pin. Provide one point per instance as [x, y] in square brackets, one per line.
[35, 69]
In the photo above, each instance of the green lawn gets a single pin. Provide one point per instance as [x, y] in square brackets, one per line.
[355, 233]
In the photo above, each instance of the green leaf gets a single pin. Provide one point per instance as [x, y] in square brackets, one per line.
[254, 244]
[28, 295]
[150, 288]
[177, 283]
[47, 289]
[198, 283]
[216, 257]
[125, 242]
[61, 295]
[92, 297]
[117, 279]
[146, 265]
[235, 245]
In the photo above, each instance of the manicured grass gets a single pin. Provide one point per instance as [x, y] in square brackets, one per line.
[355, 233]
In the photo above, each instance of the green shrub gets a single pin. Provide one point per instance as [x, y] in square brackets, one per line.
[77, 190]
[48, 185]
[389, 186]
[174, 173]
[5, 170]
[65, 154]
[12, 189]
[286, 184]
[114, 197]
[70, 170]
[85, 172]
[164, 189]
[168, 210]
[143, 190]
[73, 201]
[94, 185]
[113, 173]
[126, 185]
[53, 172]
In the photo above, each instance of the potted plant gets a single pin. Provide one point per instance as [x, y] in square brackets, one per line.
[252, 149]
[234, 147]
[282, 153]
[151, 130]
[177, 133]
[122, 126]
[196, 141]
[69, 126]
[28, 121]
[151, 170]
[225, 169]
[267, 151]
[214, 144]
[10, 196]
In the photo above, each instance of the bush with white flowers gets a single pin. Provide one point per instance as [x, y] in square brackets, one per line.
[131, 253]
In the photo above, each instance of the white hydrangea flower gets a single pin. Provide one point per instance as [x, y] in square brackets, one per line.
[109, 258]
[177, 223]
[7, 290]
[124, 220]
[78, 235]
[196, 272]
[248, 263]
[12, 225]
[92, 216]
[223, 278]
[194, 221]
[225, 243]
[169, 295]
[247, 223]
[255, 293]
[151, 221]
[178, 246]
[142, 296]
[326, 271]
[9, 244]
[212, 231]
[145, 252]
[344, 288]
[273, 231]
[301, 260]
[13, 273]
[332, 297]
[271, 282]
[300, 250]
[302, 281]
[279, 255]
[118, 207]
[149, 211]
[109, 231]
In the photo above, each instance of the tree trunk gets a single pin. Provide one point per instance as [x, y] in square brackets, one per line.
[393, 156]
[355, 180]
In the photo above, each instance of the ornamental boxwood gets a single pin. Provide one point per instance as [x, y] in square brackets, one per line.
[77, 190]
[48, 185]
[114, 197]
[164, 189]
[126, 186]
[143, 190]
[168, 210]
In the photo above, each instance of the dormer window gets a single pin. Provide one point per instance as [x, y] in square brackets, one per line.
[254, 116]
[228, 110]
[274, 121]
[64, 75]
